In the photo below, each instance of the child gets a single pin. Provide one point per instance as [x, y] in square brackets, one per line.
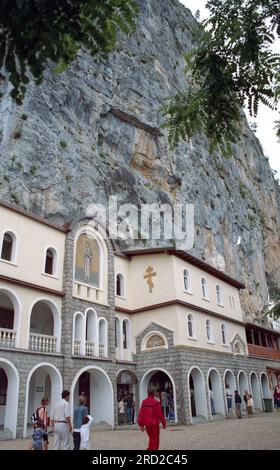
[37, 437]
[85, 432]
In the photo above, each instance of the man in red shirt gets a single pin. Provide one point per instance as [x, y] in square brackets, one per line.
[150, 416]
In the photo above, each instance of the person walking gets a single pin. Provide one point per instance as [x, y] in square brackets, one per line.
[45, 420]
[149, 418]
[238, 401]
[85, 432]
[229, 400]
[129, 408]
[121, 411]
[249, 403]
[212, 401]
[61, 422]
[79, 413]
[276, 398]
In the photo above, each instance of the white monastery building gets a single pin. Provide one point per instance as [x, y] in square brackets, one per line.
[76, 313]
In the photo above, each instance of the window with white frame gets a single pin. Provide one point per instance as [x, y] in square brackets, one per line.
[51, 262]
[187, 280]
[8, 247]
[219, 295]
[120, 285]
[191, 331]
[209, 330]
[204, 288]
[224, 333]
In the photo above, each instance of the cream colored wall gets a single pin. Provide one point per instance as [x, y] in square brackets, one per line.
[200, 340]
[26, 298]
[164, 316]
[175, 318]
[33, 238]
[136, 287]
[169, 285]
[195, 297]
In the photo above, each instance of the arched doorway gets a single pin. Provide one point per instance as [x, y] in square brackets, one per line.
[9, 319]
[217, 406]
[197, 395]
[9, 388]
[45, 327]
[229, 380]
[98, 389]
[44, 380]
[243, 386]
[266, 392]
[256, 392]
[166, 392]
[126, 385]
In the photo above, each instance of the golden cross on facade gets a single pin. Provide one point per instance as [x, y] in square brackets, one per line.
[149, 277]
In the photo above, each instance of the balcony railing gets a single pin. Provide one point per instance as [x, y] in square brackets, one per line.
[42, 343]
[101, 350]
[7, 338]
[77, 347]
[90, 349]
[261, 351]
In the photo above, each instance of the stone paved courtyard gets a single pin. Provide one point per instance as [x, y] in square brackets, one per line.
[260, 432]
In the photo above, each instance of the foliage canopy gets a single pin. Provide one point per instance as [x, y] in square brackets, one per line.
[232, 66]
[35, 31]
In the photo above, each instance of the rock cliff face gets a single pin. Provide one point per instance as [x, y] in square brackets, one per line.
[93, 131]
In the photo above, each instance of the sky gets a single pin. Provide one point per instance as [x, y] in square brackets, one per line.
[266, 117]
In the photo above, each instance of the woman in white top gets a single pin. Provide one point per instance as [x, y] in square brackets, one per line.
[85, 432]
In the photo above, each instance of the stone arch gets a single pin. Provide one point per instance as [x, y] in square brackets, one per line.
[126, 381]
[266, 391]
[47, 324]
[256, 391]
[214, 378]
[35, 390]
[147, 378]
[197, 394]
[101, 395]
[10, 300]
[229, 379]
[243, 385]
[10, 409]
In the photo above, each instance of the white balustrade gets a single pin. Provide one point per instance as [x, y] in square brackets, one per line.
[90, 349]
[7, 338]
[101, 350]
[42, 343]
[77, 347]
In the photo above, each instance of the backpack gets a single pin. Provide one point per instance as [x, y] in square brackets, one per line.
[37, 437]
[35, 420]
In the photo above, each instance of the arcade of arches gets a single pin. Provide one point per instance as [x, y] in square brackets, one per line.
[45, 380]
